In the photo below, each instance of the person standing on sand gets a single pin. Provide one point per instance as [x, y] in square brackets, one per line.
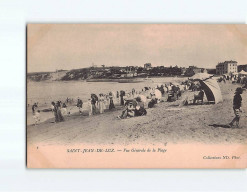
[111, 105]
[64, 109]
[133, 92]
[101, 103]
[90, 109]
[237, 102]
[36, 117]
[79, 105]
[122, 94]
[34, 107]
[93, 102]
[54, 110]
[59, 113]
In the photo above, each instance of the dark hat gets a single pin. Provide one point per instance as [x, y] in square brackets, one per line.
[239, 90]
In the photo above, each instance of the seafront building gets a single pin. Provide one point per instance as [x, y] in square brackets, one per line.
[227, 67]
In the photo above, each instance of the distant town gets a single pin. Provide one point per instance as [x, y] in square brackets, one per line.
[128, 72]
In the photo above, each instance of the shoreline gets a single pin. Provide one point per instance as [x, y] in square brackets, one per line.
[110, 79]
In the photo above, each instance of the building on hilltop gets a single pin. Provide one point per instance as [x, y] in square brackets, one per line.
[147, 66]
[227, 67]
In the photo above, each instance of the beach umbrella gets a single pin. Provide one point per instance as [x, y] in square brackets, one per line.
[242, 72]
[210, 87]
[157, 93]
[201, 76]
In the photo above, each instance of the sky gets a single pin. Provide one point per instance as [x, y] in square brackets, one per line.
[72, 46]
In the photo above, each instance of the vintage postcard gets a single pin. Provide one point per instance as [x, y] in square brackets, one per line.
[136, 96]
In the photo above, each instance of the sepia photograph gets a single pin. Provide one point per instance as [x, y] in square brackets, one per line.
[136, 96]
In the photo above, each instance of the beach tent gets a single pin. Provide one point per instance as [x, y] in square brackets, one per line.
[201, 76]
[157, 93]
[210, 87]
[242, 72]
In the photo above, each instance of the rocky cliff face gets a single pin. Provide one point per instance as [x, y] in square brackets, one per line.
[46, 76]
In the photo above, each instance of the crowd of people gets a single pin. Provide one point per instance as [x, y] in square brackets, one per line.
[237, 78]
[134, 102]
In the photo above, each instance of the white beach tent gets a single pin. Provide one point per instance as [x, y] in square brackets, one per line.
[210, 87]
[242, 72]
[157, 93]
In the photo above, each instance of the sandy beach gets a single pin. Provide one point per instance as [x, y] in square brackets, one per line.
[165, 123]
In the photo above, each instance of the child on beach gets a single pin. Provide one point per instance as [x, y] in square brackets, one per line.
[237, 101]
[36, 117]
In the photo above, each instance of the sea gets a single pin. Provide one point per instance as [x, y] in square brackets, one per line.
[45, 92]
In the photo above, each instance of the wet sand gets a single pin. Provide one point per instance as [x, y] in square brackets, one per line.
[165, 123]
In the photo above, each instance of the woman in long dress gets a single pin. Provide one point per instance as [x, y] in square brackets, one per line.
[89, 105]
[101, 103]
[94, 100]
[64, 109]
[111, 105]
[54, 110]
[59, 113]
